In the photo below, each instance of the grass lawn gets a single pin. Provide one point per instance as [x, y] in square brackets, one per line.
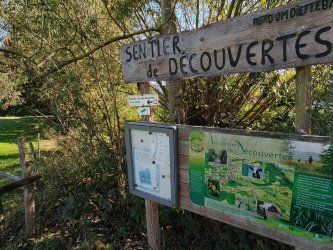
[12, 128]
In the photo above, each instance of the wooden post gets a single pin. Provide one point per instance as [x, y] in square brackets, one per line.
[1, 215]
[38, 146]
[303, 102]
[152, 219]
[33, 155]
[153, 225]
[144, 88]
[29, 203]
[303, 98]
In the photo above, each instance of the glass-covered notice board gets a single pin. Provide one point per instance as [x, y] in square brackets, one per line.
[152, 162]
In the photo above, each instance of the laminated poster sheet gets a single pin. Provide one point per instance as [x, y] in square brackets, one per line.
[282, 184]
[151, 162]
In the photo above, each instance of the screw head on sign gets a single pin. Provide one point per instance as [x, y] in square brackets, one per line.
[141, 140]
[167, 135]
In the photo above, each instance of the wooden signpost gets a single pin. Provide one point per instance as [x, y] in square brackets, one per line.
[152, 218]
[294, 35]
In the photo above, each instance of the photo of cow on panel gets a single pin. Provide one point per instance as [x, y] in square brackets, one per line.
[256, 172]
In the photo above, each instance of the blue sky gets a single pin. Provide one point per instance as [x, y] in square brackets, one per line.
[2, 32]
[303, 150]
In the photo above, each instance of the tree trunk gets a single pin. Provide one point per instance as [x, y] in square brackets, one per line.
[197, 14]
[303, 104]
[174, 88]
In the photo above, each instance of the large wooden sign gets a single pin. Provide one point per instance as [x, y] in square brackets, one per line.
[276, 185]
[269, 181]
[294, 35]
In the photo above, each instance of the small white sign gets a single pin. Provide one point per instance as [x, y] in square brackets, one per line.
[142, 100]
[144, 111]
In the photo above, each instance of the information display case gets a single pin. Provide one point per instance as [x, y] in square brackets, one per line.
[152, 162]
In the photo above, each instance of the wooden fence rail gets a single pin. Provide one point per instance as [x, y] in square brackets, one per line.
[9, 177]
[19, 183]
[27, 183]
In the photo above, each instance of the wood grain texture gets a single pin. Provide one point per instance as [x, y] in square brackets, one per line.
[153, 225]
[183, 176]
[32, 150]
[294, 35]
[183, 147]
[19, 183]
[303, 100]
[183, 189]
[29, 202]
[183, 162]
[152, 218]
[184, 131]
[1, 217]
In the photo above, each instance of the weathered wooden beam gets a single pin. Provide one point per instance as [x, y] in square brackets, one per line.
[1, 216]
[29, 203]
[294, 35]
[33, 155]
[9, 177]
[303, 105]
[302, 243]
[153, 225]
[184, 132]
[38, 145]
[20, 183]
[152, 217]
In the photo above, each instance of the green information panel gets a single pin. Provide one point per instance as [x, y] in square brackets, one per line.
[283, 184]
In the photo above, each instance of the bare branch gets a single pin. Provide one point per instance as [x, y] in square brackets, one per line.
[115, 39]
[220, 9]
[238, 6]
[231, 7]
[114, 20]
[47, 59]
[11, 52]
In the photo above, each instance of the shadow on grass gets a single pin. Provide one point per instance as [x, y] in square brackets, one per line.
[11, 129]
[8, 157]
[10, 163]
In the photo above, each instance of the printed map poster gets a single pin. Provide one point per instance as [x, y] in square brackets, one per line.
[151, 163]
[283, 184]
